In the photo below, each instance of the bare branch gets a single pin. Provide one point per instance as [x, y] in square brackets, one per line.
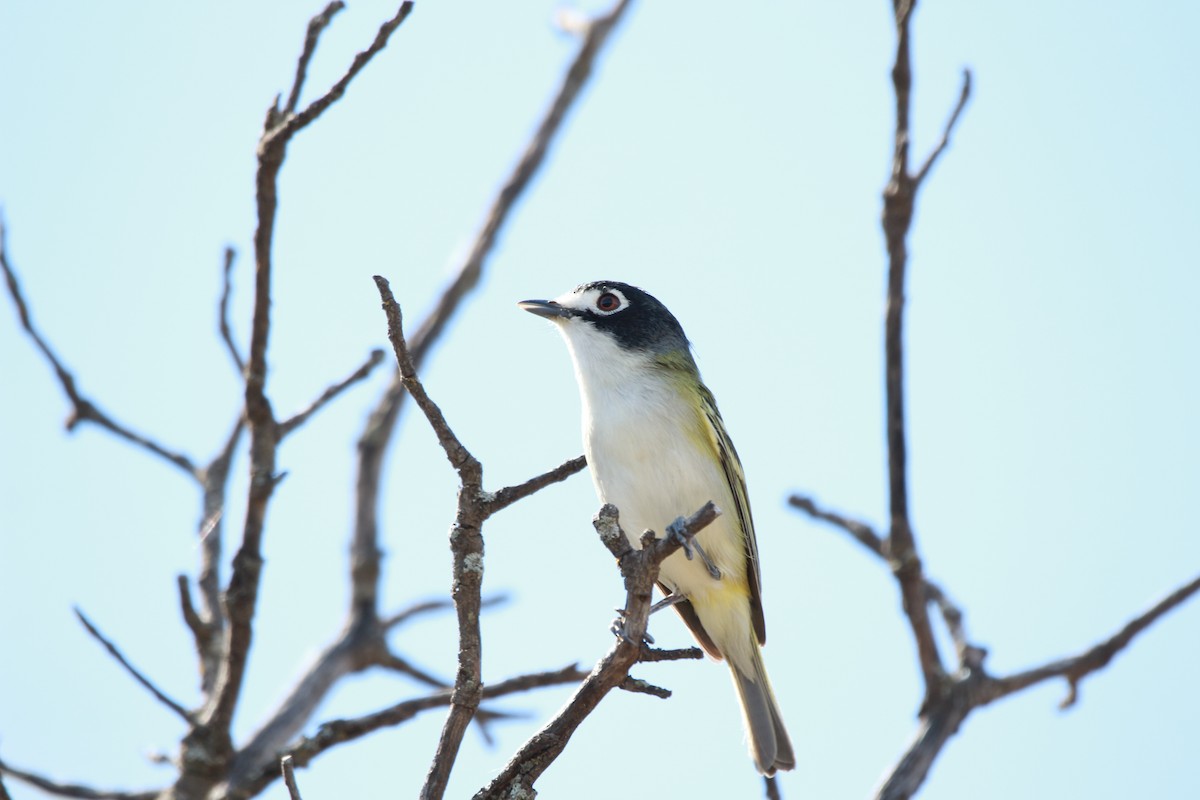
[72, 789]
[466, 546]
[373, 443]
[133, 671]
[295, 122]
[639, 568]
[863, 533]
[209, 647]
[460, 458]
[969, 655]
[1076, 668]
[511, 494]
[899, 198]
[976, 688]
[289, 777]
[963, 96]
[650, 654]
[576, 77]
[83, 409]
[241, 596]
[331, 734]
[192, 619]
[639, 686]
[418, 609]
[291, 424]
[771, 788]
[223, 313]
[316, 26]
[399, 664]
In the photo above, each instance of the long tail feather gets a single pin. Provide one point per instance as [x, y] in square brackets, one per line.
[770, 746]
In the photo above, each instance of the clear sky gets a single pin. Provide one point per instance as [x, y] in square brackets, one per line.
[729, 159]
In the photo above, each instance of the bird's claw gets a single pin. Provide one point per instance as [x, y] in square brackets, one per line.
[677, 530]
[618, 629]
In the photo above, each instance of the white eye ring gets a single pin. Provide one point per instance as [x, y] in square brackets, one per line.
[609, 302]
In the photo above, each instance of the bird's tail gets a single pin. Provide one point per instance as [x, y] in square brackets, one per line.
[770, 746]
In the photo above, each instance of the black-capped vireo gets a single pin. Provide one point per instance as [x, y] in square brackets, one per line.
[658, 450]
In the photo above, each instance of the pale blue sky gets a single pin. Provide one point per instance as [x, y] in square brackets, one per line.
[727, 159]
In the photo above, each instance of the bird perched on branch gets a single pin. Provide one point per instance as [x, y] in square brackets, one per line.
[658, 450]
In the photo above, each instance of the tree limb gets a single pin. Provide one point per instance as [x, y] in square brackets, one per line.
[639, 569]
[466, 545]
[289, 777]
[72, 789]
[146, 683]
[596, 34]
[368, 366]
[511, 494]
[316, 26]
[975, 688]
[210, 742]
[82, 408]
[331, 734]
[223, 313]
[899, 197]
[969, 654]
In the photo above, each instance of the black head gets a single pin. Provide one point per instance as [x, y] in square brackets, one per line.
[635, 318]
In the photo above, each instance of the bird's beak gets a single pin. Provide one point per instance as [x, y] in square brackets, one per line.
[545, 308]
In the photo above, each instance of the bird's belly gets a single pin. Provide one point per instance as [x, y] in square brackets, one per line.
[654, 473]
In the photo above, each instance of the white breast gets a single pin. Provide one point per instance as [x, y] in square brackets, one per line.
[645, 457]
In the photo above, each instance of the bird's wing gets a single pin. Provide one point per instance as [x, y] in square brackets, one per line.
[732, 467]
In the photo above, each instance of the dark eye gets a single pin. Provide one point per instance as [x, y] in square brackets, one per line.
[608, 302]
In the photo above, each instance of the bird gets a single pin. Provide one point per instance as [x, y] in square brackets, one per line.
[658, 450]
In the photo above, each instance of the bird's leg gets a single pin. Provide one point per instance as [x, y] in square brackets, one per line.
[667, 602]
[676, 530]
[708, 564]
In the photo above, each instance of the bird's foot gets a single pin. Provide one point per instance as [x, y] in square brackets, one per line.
[619, 629]
[677, 530]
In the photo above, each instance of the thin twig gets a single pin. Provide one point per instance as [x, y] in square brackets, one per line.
[402, 665]
[331, 734]
[241, 595]
[650, 655]
[899, 198]
[639, 569]
[373, 443]
[970, 655]
[316, 26]
[1095, 658]
[289, 777]
[192, 619]
[771, 788]
[295, 122]
[963, 96]
[466, 546]
[292, 423]
[223, 312]
[209, 646]
[132, 670]
[576, 77]
[83, 409]
[863, 533]
[976, 689]
[638, 686]
[458, 455]
[510, 494]
[72, 789]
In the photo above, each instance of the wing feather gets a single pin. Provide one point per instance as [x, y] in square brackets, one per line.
[736, 478]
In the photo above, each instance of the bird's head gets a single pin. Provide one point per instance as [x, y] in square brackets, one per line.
[615, 318]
